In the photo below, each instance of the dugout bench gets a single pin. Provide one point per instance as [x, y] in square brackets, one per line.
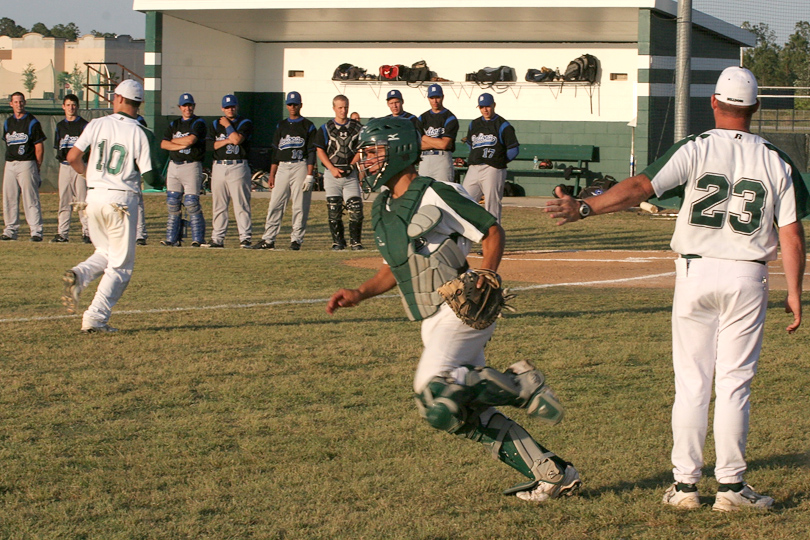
[569, 162]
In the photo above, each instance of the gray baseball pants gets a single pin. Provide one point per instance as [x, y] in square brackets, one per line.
[437, 164]
[289, 186]
[72, 189]
[230, 182]
[487, 181]
[21, 178]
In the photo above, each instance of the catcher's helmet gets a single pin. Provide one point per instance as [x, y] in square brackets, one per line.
[388, 146]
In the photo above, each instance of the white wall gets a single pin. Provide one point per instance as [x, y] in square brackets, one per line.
[612, 100]
[207, 63]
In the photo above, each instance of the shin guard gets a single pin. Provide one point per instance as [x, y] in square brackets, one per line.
[174, 222]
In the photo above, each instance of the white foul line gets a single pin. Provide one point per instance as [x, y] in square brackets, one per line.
[318, 300]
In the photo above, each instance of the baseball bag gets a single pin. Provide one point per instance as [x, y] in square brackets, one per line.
[348, 72]
[582, 69]
[489, 75]
[598, 187]
[396, 72]
[418, 72]
[476, 307]
[543, 74]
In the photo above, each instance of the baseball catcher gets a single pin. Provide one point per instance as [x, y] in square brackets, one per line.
[424, 230]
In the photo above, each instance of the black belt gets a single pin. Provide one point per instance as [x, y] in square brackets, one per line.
[229, 161]
[64, 163]
[691, 256]
[183, 162]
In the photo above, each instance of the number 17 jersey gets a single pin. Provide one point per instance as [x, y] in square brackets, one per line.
[735, 187]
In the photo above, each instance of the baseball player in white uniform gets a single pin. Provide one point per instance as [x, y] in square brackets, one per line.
[290, 175]
[230, 173]
[741, 197]
[424, 230]
[439, 131]
[119, 157]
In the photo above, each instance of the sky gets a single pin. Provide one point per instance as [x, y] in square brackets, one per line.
[117, 15]
[114, 16]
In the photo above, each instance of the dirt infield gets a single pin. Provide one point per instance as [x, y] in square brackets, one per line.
[637, 269]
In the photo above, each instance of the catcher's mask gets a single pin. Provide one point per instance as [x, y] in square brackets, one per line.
[388, 146]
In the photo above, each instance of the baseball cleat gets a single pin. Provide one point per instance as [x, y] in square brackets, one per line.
[86, 239]
[179, 243]
[245, 244]
[59, 239]
[196, 244]
[6, 238]
[338, 247]
[212, 244]
[295, 246]
[263, 244]
[545, 491]
[745, 499]
[140, 242]
[36, 238]
[70, 296]
[357, 247]
[103, 329]
[682, 496]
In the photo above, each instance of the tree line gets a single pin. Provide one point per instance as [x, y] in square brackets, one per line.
[779, 65]
[69, 31]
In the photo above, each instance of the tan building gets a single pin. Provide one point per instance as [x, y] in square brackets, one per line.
[50, 56]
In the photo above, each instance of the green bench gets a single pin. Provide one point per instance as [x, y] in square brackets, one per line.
[570, 161]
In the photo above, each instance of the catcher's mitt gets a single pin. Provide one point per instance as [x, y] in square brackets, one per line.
[598, 187]
[476, 307]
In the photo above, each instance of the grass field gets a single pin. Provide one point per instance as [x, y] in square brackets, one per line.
[230, 406]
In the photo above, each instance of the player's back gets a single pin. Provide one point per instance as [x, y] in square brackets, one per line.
[118, 147]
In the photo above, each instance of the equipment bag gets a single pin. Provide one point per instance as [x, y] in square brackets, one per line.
[348, 72]
[418, 72]
[543, 74]
[492, 75]
[582, 69]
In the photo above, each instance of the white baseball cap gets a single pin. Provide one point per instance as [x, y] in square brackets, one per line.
[130, 89]
[736, 86]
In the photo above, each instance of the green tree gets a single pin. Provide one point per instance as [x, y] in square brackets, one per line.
[763, 59]
[794, 61]
[68, 31]
[29, 78]
[75, 79]
[11, 29]
[40, 28]
[96, 33]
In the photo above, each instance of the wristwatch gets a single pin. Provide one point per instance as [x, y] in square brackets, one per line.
[584, 209]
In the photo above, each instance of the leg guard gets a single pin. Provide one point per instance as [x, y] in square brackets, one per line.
[355, 207]
[445, 405]
[174, 222]
[195, 217]
[519, 386]
[335, 210]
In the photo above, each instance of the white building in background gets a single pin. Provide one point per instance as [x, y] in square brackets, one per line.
[50, 56]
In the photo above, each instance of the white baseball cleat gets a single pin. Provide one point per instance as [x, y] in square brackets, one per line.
[747, 498]
[70, 296]
[545, 491]
[103, 329]
[684, 500]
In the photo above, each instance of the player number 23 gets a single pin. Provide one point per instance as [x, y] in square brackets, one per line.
[711, 210]
[113, 160]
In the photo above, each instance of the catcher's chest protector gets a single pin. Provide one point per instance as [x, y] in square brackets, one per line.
[391, 236]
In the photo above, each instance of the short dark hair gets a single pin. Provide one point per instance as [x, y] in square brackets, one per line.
[340, 97]
[71, 97]
[132, 102]
[737, 111]
[11, 97]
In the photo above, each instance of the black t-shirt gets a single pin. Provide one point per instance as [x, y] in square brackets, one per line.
[489, 140]
[182, 128]
[21, 135]
[294, 140]
[440, 124]
[218, 132]
[66, 135]
[340, 141]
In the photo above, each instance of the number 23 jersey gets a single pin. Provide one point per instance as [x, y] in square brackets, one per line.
[734, 186]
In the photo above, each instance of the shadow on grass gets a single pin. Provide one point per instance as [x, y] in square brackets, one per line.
[262, 324]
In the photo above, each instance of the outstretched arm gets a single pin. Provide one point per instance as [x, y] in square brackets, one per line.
[625, 194]
[794, 254]
[382, 281]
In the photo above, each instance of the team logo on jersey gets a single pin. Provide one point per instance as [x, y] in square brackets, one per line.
[434, 132]
[484, 139]
[16, 138]
[68, 141]
[178, 135]
[291, 141]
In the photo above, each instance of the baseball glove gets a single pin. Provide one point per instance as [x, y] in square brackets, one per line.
[476, 307]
